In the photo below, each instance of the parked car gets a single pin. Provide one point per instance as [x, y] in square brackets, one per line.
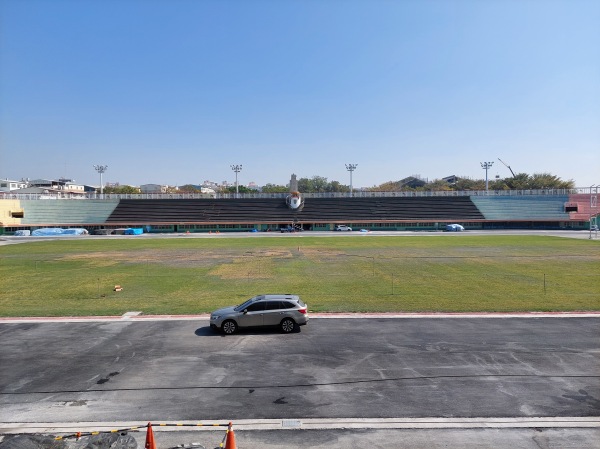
[342, 228]
[278, 310]
[454, 228]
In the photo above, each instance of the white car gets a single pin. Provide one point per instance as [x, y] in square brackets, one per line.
[342, 228]
[454, 228]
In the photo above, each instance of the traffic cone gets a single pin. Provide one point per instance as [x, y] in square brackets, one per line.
[150, 444]
[230, 439]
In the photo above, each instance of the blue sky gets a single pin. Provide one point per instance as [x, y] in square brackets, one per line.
[175, 91]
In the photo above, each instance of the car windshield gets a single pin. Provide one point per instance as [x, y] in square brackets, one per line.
[244, 305]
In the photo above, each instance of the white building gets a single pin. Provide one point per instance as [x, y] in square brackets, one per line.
[207, 190]
[7, 185]
[63, 185]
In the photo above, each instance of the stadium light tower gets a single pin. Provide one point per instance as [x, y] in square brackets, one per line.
[351, 168]
[101, 169]
[486, 166]
[236, 169]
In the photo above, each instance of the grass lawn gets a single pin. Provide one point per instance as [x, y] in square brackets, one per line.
[76, 276]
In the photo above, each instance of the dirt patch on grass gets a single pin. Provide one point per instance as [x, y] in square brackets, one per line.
[222, 260]
[253, 264]
[321, 255]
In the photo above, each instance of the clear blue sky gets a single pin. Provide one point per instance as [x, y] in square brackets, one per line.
[175, 91]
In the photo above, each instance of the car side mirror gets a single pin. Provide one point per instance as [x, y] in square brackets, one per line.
[245, 311]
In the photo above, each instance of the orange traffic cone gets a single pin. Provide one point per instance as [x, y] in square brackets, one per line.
[150, 444]
[230, 438]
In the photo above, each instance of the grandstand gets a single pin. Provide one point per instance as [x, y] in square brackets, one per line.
[518, 208]
[369, 210]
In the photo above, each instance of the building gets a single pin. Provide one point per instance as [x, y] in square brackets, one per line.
[371, 211]
[453, 179]
[57, 188]
[7, 185]
[62, 185]
[154, 188]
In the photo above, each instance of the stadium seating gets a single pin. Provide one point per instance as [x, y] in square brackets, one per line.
[530, 207]
[275, 210]
[59, 212]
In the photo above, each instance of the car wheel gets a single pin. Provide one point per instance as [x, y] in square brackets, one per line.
[288, 325]
[229, 327]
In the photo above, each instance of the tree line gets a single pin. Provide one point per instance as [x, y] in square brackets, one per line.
[320, 184]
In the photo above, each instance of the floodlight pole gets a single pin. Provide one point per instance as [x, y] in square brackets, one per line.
[101, 169]
[351, 168]
[486, 166]
[236, 169]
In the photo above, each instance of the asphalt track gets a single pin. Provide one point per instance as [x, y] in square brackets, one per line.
[580, 234]
[503, 380]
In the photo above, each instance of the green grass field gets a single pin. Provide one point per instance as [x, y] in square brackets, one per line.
[352, 274]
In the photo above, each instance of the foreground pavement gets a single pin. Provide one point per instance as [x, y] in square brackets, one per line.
[392, 380]
[468, 434]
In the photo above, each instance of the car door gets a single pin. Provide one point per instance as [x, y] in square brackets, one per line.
[253, 316]
[272, 313]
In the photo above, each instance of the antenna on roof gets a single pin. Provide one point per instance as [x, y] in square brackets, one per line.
[507, 166]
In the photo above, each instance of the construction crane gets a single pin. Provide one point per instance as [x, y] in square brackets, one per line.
[507, 166]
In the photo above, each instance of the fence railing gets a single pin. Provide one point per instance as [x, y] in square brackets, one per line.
[355, 194]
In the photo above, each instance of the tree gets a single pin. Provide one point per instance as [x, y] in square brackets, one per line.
[319, 184]
[121, 190]
[273, 188]
[189, 188]
[437, 185]
[316, 184]
[336, 187]
[548, 181]
[521, 181]
[389, 186]
[240, 189]
[518, 182]
[469, 184]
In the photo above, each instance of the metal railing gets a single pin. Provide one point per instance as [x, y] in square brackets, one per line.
[355, 194]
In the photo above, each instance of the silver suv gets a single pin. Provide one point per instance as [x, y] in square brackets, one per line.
[283, 310]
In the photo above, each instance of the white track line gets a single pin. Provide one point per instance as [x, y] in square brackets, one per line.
[307, 423]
